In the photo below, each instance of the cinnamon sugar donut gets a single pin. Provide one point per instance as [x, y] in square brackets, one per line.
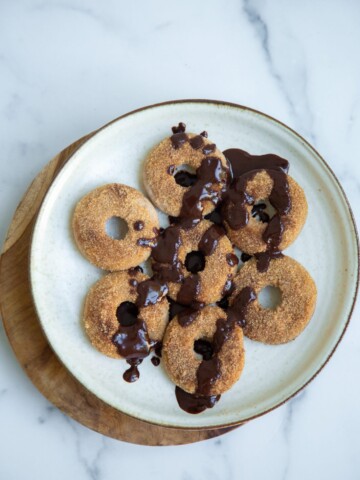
[89, 219]
[163, 172]
[222, 362]
[197, 263]
[298, 299]
[121, 300]
[245, 230]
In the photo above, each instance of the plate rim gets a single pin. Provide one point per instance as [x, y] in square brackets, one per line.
[355, 236]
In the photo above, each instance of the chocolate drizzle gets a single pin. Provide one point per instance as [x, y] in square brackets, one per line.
[178, 139]
[210, 239]
[209, 174]
[194, 403]
[155, 361]
[131, 339]
[243, 168]
[263, 259]
[150, 291]
[232, 259]
[166, 265]
[197, 142]
[132, 374]
[209, 371]
[189, 290]
[139, 225]
[210, 148]
[146, 242]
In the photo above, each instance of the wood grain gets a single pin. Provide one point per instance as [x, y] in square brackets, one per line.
[31, 348]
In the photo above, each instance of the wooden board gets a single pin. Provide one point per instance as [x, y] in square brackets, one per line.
[31, 348]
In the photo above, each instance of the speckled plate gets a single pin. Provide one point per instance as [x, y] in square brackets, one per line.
[61, 277]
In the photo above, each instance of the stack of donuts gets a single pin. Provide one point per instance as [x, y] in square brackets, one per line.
[199, 303]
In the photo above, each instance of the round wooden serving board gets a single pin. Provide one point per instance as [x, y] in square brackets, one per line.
[32, 349]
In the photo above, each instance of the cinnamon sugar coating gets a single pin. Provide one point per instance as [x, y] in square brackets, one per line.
[182, 363]
[249, 239]
[298, 299]
[160, 167]
[102, 301]
[89, 219]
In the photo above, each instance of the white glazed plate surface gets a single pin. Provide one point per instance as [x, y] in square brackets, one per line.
[61, 277]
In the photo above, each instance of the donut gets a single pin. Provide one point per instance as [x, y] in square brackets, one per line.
[89, 219]
[247, 224]
[197, 263]
[171, 188]
[298, 298]
[131, 305]
[219, 342]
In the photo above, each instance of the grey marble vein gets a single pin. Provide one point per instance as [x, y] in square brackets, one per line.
[90, 465]
[294, 89]
[291, 407]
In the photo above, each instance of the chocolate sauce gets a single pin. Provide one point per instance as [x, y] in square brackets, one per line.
[175, 308]
[211, 172]
[180, 128]
[158, 349]
[245, 257]
[263, 259]
[194, 403]
[228, 287]
[195, 262]
[204, 348]
[209, 149]
[185, 179]
[178, 139]
[215, 216]
[207, 374]
[131, 339]
[146, 242]
[210, 239]
[155, 361]
[186, 316]
[132, 374]
[139, 225]
[150, 292]
[209, 370]
[197, 142]
[189, 290]
[133, 282]
[242, 162]
[223, 303]
[244, 167]
[232, 259]
[237, 311]
[135, 270]
[204, 134]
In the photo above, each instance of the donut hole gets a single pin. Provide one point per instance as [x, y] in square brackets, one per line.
[116, 228]
[263, 211]
[185, 175]
[270, 297]
[204, 349]
[195, 262]
[127, 314]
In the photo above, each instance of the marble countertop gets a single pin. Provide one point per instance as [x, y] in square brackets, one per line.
[69, 66]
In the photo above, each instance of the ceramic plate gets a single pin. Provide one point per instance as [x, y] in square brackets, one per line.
[61, 276]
